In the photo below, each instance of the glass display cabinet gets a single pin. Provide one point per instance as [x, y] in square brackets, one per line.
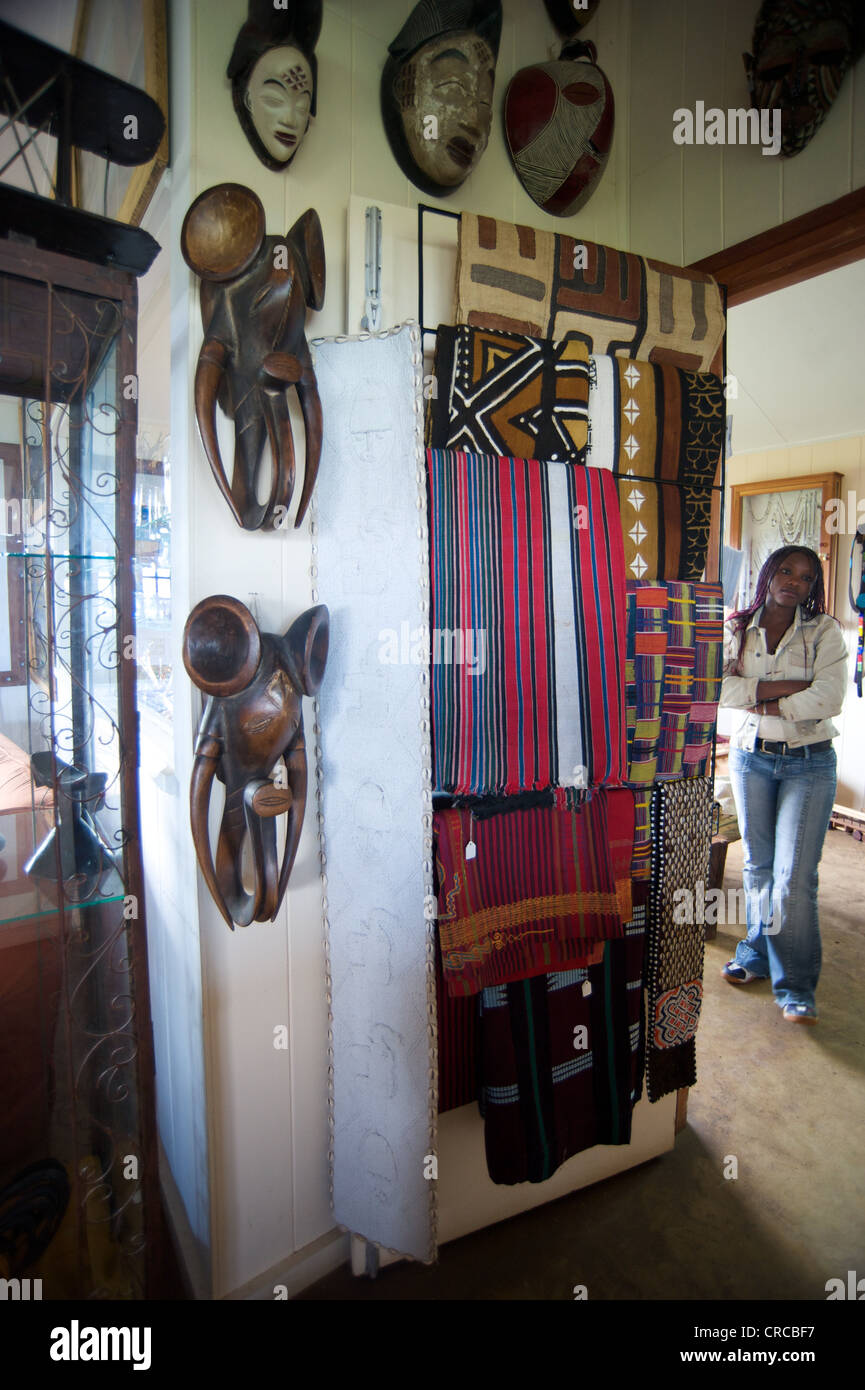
[78, 1177]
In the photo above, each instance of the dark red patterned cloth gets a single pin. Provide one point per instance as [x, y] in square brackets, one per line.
[530, 892]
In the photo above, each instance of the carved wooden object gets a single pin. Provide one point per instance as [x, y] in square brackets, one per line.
[251, 729]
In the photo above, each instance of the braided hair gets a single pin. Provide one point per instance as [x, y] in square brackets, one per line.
[814, 604]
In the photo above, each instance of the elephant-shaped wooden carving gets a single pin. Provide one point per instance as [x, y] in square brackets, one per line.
[254, 295]
[251, 738]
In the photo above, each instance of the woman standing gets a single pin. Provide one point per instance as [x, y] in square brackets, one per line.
[785, 668]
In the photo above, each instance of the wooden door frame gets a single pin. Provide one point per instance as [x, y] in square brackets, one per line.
[830, 486]
[831, 236]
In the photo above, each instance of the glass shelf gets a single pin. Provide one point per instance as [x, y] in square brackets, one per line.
[44, 554]
[25, 898]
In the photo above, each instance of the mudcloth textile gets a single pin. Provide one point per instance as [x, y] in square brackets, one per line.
[505, 393]
[531, 892]
[663, 428]
[672, 682]
[529, 614]
[708, 672]
[562, 1060]
[548, 285]
[681, 843]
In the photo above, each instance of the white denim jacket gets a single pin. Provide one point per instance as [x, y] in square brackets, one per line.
[813, 650]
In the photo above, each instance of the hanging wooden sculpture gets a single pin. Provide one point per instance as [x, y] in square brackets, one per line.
[274, 76]
[251, 729]
[437, 90]
[559, 121]
[254, 295]
[802, 50]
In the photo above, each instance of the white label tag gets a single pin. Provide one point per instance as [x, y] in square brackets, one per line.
[587, 987]
[471, 849]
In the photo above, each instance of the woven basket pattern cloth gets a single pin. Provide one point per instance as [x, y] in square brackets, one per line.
[521, 280]
[529, 892]
[529, 625]
[506, 393]
[681, 845]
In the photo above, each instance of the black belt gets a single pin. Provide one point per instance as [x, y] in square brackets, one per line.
[765, 745]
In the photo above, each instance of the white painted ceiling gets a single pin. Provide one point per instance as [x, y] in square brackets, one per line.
[798, 357]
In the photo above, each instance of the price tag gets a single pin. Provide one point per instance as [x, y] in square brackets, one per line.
[587, 988]
[471, 849]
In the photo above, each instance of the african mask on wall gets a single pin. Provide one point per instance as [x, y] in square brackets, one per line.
[802, 49]
[274, 75]
[251, 739]
[437, 90]
[254, 295]
[559, 120]
[569, 16]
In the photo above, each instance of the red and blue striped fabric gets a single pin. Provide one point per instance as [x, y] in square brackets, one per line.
[529, 625]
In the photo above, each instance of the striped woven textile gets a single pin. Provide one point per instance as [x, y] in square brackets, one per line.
[528, 588]
[641, 864]
[665, 428]
[672, 685]
[708, 672]
[458, 1018]
[529, 892]
[562, 1060]
[681, 846]
[505, 393]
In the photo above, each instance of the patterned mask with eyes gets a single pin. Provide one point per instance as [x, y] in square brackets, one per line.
[802, 49]
[437, 90]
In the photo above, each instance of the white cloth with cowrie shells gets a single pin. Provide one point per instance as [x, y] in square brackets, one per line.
[376, 792]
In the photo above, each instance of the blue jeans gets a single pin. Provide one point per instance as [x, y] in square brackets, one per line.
[784, 805]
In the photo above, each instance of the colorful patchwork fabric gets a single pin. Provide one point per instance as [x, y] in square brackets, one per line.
[681, 843]
[505, 393]
[562, 1060]
[672, 678]
[708, 671]
[529, 892]
[529, 619]
[663, 428]
[520, 280]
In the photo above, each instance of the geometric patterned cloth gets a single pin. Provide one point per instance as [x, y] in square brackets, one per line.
[562, 1060]
[664, 429]
[672, 683]
[525, 893]
[681, 842]
[529, 625]
[708, 668]
[503, 393]
[520, 280]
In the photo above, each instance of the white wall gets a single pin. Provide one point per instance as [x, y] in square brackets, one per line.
[688, 201]
[267, 1109]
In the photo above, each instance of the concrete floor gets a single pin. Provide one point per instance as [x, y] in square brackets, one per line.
[786, 1101]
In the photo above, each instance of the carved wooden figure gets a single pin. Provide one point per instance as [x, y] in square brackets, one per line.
[254, 295]
[251, 729]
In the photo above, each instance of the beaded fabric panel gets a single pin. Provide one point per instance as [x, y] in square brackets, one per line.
[681, 843]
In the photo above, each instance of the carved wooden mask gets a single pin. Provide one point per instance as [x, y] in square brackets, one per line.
[251, 729]
[274, 76]
[802, 49]
[559, 121]
[254, 295]
[437, 90]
